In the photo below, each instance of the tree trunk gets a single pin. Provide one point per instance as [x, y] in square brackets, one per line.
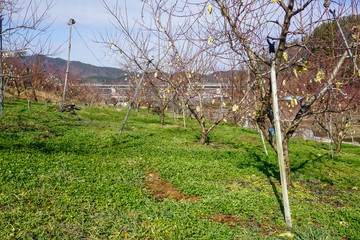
[148, 107]
[162, 116]
[203, 137]
[287, 162]
[137, 106]
[183, 112]
[338, 146]
[34, 94]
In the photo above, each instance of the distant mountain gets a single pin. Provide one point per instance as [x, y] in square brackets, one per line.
[85, 71]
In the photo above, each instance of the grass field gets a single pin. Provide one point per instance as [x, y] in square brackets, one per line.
[70, 177]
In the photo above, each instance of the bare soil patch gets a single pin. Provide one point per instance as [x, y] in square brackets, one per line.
[161, 189]
[251, 139]
[331, 195]
[232, 221]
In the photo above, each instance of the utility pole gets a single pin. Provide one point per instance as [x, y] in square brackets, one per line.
[71, 22]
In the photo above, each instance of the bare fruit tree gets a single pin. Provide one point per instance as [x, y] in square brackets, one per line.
[21, 24]
[269, 39]
[181, 58]
[254, 28]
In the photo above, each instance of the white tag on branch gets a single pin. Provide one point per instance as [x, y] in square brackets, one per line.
[210, 40]
[320, 75]
[285, 56]
[209, 8]
[302, 68]
[295, 73]
[235, 108]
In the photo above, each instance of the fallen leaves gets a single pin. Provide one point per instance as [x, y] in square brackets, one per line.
[287, 234]
[320, 75]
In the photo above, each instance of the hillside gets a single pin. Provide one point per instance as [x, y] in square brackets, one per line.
[85, 71]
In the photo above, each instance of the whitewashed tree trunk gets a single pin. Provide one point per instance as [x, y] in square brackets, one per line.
[133, 100]
[279, 143]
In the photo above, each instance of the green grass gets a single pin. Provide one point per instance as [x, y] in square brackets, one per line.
[71, 177]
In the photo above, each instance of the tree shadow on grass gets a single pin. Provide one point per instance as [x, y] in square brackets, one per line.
[309, 160]
[269, 169]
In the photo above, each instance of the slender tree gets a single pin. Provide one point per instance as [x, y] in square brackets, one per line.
[21, 23]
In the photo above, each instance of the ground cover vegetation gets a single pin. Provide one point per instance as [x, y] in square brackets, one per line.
[65, 176]
[174, 46]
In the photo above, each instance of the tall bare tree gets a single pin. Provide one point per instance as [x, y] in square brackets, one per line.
[250, 26]
[21, 24]
[181, 57]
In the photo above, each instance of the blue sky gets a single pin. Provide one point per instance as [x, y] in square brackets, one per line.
[91, 19]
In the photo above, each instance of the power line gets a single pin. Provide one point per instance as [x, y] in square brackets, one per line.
[88, 47]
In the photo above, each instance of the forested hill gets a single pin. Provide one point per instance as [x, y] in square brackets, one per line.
[83, 70]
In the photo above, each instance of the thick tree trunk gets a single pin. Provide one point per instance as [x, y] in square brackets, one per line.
[287, 162]
[203, 137]
[338, 146]
[34, 94]
[137, 106]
